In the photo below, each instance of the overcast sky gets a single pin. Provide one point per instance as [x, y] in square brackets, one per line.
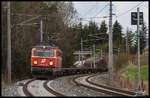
[121, 9]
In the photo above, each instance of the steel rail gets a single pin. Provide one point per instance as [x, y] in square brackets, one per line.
[25, 89]
[101, 89]
[123, 92]
[57, 94]
[89, 87]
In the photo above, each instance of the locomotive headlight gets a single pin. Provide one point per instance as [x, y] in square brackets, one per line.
[50, 63]
[35, 62]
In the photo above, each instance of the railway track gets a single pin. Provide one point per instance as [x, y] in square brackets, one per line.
[57, 94]
[101, 88]
[25, 89]
[45, 85]
[28, 92]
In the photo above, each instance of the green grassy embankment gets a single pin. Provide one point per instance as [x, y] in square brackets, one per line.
[131, 72]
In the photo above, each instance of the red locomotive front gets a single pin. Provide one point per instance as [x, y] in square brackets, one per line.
[45, 59]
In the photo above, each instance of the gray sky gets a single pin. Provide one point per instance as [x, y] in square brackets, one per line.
[121, 9]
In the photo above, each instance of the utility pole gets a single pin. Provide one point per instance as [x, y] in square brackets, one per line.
[118, 50]
[101, 54]
[91, 57]
[139, 88]
[79, 56]
[41, 30]
[81, 51]
[94, 54]
[127, 46]
[9, 42]
[110, 66]
[81, 46]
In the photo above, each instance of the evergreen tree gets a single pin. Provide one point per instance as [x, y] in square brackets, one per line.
[130, 37]
[143, 38]
[103, 32]
[117, 33]
[93, 30]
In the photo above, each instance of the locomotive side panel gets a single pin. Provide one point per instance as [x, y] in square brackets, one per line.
[59, 58]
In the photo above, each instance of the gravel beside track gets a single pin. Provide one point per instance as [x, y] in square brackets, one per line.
[10, 91]
[100, 79]
[114, 90]
[37, 89]
[14, 89]
[65, 86]
[82, 82]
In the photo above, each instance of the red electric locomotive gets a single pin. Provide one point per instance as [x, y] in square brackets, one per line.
[45, 59]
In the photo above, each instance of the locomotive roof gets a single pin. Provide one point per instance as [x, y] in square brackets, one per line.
[47, 45]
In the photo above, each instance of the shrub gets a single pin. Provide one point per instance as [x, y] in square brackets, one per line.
[120, 60]
[143, 59]
[132, 72]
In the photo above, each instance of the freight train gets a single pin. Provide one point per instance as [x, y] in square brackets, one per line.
[46, 60]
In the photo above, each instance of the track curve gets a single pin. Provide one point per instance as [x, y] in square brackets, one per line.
[25, 90]
[57, 94]
[101, 88]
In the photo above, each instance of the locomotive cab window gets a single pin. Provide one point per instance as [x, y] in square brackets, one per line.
[49, 53]
[46, 53]
[38, 53]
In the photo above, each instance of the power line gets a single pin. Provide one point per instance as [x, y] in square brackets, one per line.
[89, 10]
[84, 19]
[21, 14]
[130, 9]
[99, 13]
[102, 9]
[27, 21]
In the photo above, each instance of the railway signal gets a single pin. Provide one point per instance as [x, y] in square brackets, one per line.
[137, 19]
[139, 87]
[134, 18]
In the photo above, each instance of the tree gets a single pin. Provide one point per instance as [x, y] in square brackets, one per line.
[143, 38]
[103, 32]
[93, 30]
[55, 27]
[130, 37]
[117, 33]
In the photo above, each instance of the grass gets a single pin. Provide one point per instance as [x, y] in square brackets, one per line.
[119, 61]
[143, 59]
[3, 84]
[122, 59]
[132, 72]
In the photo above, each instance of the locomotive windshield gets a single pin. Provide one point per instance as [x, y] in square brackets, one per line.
[49, 53]
[46, 53]
[38, 53]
